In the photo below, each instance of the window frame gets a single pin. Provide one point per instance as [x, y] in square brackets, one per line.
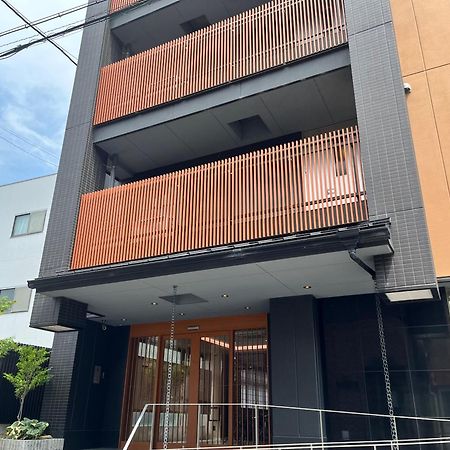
[29, 214]
[9, 310]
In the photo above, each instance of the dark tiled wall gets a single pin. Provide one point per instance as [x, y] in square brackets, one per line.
[418, 345]
[81, 167]
[55, 405]
[390, 169]
[81, 170]
[58, 311]
[85, 413]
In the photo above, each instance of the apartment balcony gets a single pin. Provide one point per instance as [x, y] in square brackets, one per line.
[267, 37]
[305, 185]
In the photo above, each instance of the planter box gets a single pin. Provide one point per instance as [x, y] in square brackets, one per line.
[39, 444]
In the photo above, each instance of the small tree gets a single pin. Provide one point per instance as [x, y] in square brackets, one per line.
[31, 369]
[5, 304]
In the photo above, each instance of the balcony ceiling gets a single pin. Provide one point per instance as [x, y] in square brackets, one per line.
[248, 285]
[311, 105]
[160, 21]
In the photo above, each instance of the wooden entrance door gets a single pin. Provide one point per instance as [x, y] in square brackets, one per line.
[214, 363]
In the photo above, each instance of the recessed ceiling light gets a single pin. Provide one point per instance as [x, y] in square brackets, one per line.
[247, 308]
[154, 303]
[225, 295]
[124, 320]
[307, 286]
[182, 314]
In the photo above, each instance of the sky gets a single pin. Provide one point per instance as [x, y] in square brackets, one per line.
[35, 89]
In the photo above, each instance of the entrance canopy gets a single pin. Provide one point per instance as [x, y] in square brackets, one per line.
[225, 291]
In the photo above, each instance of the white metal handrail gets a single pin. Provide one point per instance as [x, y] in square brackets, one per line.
[374, 444]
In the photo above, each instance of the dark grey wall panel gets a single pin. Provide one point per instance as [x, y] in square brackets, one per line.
[87, 413]
[295, 368]
[55, 405]
[389, 163]
[81, 170]
[81, 167]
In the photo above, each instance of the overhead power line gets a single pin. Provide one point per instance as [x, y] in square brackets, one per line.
[28, 153]
[92, 21]
[54, 16]
[28, 142]
[38, 30]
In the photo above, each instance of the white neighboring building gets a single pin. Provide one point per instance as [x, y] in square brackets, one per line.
[25, 208]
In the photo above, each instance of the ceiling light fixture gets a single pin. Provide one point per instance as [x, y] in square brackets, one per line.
[248, 308]
[225, 295]
[154, 303]
[307, 286]
[182, 314]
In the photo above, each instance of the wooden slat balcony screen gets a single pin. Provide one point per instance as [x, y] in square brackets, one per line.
[304, 185]
[262, 38]
[116, 5]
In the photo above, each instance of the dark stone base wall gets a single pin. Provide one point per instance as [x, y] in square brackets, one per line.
[418, 345]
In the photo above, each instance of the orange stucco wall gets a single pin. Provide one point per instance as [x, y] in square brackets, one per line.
[423, 38]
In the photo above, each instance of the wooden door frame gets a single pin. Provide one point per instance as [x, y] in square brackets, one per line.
[188, 329]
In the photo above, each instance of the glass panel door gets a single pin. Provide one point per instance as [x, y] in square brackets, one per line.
[250, 386]
[214, 390]
[180, 356]
[143, 374]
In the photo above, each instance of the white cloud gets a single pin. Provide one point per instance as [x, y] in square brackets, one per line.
[35, 89]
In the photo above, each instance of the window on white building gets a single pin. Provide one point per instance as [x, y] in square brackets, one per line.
[29, 223]
[21, 297]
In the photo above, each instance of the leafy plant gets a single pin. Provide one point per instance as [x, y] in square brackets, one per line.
[5, 304]
[26, 429]
[31, 369]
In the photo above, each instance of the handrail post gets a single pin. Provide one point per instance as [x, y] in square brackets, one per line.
[152, 430]
[321, 427]
[136, 426]
[198, 425]
[256, 427]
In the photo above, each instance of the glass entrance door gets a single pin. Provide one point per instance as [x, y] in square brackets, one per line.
[212, 369]
[214, 390]
[177, 418]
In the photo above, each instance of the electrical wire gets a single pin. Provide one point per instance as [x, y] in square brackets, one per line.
[87, 23]
[36, 35]
[38, 30]
[26, 141]
[28, 153]
[50, 17]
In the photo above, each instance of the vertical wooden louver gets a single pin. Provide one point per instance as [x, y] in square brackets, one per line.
[117, 5]
[299, 186]
[262, 38]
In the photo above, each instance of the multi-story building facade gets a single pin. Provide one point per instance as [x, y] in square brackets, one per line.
[278, 172]
[25, 211]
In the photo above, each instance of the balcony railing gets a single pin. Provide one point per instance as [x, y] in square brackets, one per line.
[116, 5]
[304, 185]
[265, 37]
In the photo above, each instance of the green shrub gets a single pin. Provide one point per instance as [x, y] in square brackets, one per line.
[26, 429]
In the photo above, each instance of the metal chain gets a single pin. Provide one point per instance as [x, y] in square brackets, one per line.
[387, 378]
[169, 373]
